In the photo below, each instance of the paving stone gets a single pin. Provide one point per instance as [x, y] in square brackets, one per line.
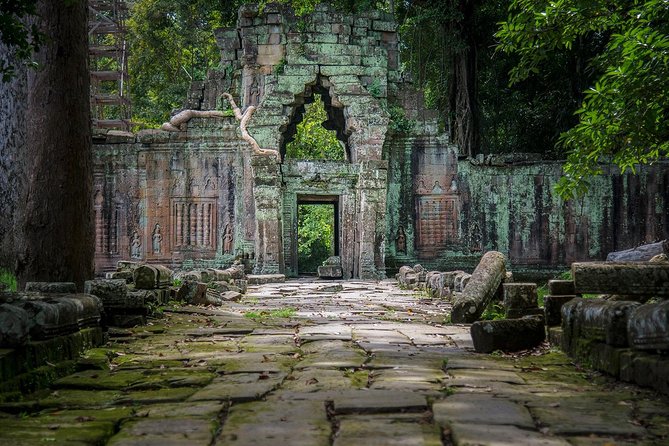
[412, 379]
[387, 430]
[481, 409]
[165, 431]
[299, 423]
[239, 387]
[378, 401]
[464, 434]
[585, 414]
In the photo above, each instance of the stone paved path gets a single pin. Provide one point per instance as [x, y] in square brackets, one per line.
[326, 363]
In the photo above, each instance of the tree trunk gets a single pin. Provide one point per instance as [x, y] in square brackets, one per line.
[55, 236]
[463, 89]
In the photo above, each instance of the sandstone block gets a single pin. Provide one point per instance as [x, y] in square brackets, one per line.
[648, 327]
[481, 288]
[148, 277]
[641, 253]
[112, 292]
[330, 272]
[508, 334]
[193, 292]
[553, 309]
[595, 320]
[561, 287]
[14, 326]
[621, 278]
[51, 287]
[520, 295]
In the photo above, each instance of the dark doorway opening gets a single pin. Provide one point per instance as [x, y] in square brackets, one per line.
[317, 233]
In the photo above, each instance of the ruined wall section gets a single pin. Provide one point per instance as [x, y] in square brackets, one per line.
[173, 198]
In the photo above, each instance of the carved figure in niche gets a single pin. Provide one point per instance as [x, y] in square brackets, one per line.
[401, 241]
[421, 189]
[210, 184]
[157, 240]
[475, 238]
[454, 185]
[436, 189]
[227, 239]
[135, 246]
[254, 93]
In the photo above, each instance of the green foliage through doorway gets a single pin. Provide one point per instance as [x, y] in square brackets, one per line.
[315, 236]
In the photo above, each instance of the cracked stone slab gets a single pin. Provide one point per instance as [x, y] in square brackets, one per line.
[165, 431]
[387, 430]
[378, 401]
[465, 434]
[317, 380]
[239, 387]
[468, 376]
[256, 363]
[412, 379]
[584, 414]
[294, 423]
[481, 409]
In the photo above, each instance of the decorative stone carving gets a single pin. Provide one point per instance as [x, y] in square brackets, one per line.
[401, 241]
[227, 239]
[157, 238]
[135, 246]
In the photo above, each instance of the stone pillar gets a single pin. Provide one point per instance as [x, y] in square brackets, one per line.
[370, 249]
[267, 198]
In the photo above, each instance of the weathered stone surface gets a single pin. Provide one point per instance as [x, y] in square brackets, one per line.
[595, 319]
[641, 253]
[112, 292]
[482, 286]
[378, 401]
[520, 299]
[386, 430]
[621, 278]
[259, 279]
[553, 308]
[330, 272]
[149, 277]
[648, 327]
[490, 435]
[193, 292]
[14, 326]
[239, 387]
[561, 287]
[165, 431]
[508, 334]
[52, 287]
[481, 409]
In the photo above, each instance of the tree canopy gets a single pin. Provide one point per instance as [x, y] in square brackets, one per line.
[624, 115]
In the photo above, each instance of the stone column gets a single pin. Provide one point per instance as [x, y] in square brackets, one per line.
[371, 221]
[267, 200]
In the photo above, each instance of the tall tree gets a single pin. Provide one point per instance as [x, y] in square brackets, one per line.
[624, 117]
[54, 230]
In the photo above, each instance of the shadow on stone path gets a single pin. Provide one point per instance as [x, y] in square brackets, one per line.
[326, 363]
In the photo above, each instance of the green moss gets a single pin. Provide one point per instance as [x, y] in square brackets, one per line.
[359, 378]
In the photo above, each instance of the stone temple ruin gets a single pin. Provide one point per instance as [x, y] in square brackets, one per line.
[201, 196]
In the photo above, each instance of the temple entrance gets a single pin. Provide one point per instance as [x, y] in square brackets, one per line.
[317, 232]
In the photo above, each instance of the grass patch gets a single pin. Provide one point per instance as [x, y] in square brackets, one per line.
[493, 311]
[262, 315]
[9, 279]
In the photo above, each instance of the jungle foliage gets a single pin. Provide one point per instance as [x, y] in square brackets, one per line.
[313, 141]
[315, 236]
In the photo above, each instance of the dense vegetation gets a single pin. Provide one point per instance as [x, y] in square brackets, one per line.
[315, 236]
[312, 141]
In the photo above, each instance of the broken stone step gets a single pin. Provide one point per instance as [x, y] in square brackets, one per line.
[52, 287]
[482, 286]
[508, 334]
[648, 327]
[646, 279]
[149, 277]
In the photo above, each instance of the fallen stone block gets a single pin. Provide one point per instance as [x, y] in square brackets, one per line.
[193, 292]
[460, 281]
[112, 292]
[125, 275]
[520, 299]
[482, 286]
[148, 277]
[51, 287]
[127, 265]
[561, 287]
[50, 318]
[242, 284]
[650, 279]
[14, 326]
[260, 279]
[595, 320]
[648, 327]
[330, 272]
[508, 334]
[641, 253]
[553, 308]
